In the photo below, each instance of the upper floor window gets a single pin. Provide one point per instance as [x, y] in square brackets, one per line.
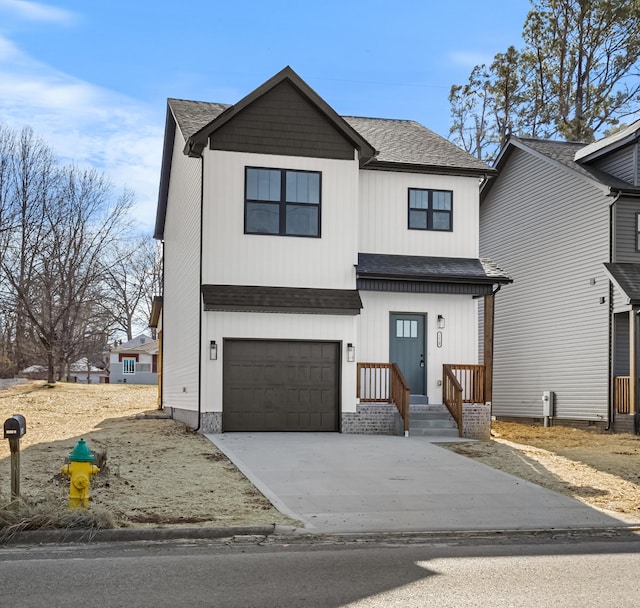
[637, 231]
[282, 201]
[430, 209]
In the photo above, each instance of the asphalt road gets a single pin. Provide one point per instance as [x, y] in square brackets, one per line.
[492, 573]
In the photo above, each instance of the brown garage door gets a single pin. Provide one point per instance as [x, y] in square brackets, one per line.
[273, 385]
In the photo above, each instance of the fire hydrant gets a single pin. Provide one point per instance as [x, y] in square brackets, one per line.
[80, 469]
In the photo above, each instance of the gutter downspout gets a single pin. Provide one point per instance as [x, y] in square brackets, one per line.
[200, 298]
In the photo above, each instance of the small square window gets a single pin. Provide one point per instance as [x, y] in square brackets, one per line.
[430, 210]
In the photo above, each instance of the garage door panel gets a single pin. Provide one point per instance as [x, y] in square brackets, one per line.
[280, 385]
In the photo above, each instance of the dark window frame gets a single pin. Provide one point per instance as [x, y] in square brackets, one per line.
[283, 204]
[429, 211]
[638, 232]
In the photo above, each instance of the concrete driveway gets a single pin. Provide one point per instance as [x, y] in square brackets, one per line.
[338, 483]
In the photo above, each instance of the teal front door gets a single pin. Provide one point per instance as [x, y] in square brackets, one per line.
[407, 349]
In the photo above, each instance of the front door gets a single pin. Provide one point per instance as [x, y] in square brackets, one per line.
[407, 349]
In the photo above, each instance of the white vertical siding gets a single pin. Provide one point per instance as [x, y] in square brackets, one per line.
[459, 337]
[383, 223]
[234, 258]
[549, 231]
[181, 303]
[272, 326]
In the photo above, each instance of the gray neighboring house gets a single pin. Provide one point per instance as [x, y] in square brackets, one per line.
[134, 362]
[563, 220]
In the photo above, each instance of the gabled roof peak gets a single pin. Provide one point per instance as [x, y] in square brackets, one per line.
[616, 140]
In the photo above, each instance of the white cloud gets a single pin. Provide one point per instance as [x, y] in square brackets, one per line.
[469, 59]
[85, 124]
[36, 11]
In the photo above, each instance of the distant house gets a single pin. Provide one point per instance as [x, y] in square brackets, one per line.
[84, 372]
[134, 362]
[311, 261]
[563, 219]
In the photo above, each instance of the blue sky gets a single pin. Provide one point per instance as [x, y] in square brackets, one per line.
[92, 77]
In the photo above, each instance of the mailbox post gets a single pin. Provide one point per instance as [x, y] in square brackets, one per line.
[15, 428]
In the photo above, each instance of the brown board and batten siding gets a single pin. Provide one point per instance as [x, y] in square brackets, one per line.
[284, 122]
[548, 230]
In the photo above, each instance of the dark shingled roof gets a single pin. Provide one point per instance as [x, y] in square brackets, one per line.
[404, 142]
[424, 268]
[251, 298]
[564, 153]
[409, 142]
[627, 277]
[191, 116]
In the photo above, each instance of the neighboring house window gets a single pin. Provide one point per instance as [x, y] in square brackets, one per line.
[128, 366]
[282, 201]
[637, 231]
[430, 209]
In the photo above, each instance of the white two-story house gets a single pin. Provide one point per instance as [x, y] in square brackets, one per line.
[300, 246]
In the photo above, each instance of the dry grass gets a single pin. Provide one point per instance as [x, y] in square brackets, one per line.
[156, 473]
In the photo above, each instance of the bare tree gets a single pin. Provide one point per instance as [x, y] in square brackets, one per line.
[132, 274]
[65, 236]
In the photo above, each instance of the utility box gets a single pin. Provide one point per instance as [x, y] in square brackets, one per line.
[15, 427]
[547, 406]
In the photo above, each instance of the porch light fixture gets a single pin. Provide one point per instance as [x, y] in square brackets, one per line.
[440, 322]
[213, 350]
[351, 353]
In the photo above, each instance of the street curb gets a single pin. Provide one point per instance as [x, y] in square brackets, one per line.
[42, 537]
[291, 535]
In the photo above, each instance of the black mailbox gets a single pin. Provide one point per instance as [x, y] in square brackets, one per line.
[15, 427]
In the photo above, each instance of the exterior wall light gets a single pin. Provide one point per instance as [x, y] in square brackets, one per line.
[213, 350]
[440, 322]
[351, 353]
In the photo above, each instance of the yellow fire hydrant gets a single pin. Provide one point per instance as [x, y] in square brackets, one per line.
[80, 469]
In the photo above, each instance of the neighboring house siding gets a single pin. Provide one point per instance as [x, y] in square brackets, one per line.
[182, 300]
[625, 230]
[118, 377]
[549, 230]
[282, 122]
[620, 164]
[621, 344]
[459, 338]
[383, 224]
[231, 257]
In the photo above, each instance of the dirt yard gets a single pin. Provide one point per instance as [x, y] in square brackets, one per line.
[159, 474]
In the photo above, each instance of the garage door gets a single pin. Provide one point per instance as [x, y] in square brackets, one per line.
[280, 385]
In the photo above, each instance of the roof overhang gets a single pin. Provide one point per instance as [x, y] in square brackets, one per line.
[255, 298]
[626, 277]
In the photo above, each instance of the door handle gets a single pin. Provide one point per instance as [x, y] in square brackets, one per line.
[421, 360]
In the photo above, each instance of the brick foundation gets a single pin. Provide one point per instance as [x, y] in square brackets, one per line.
[476, 421]
[368, 419]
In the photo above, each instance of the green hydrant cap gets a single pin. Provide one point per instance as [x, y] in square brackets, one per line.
[81, 453]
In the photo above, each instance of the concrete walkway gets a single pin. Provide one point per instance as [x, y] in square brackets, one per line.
[338, 483]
